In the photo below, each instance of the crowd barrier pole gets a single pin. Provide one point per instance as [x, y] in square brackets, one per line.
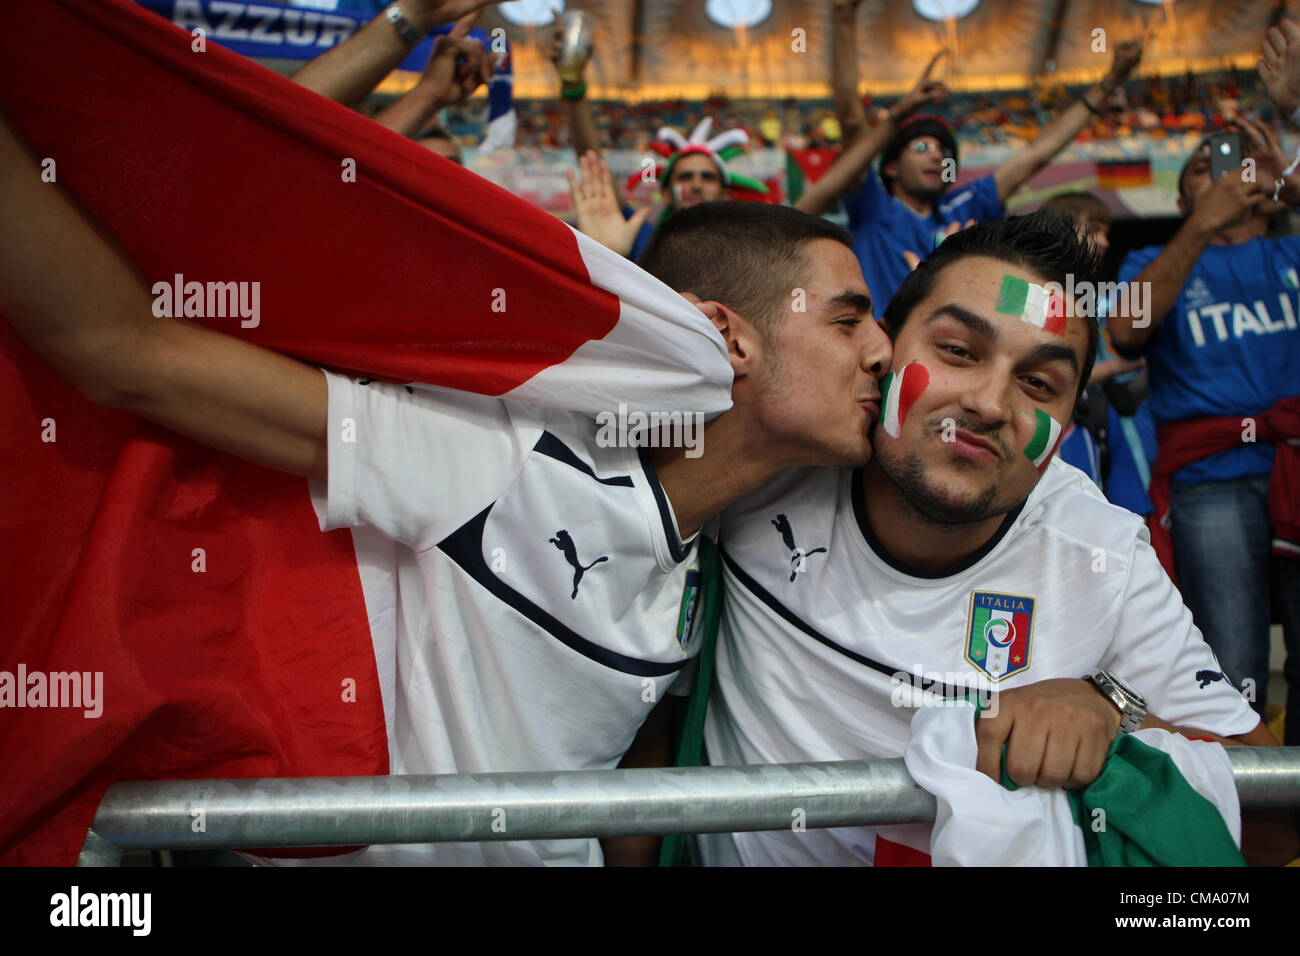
[354, 811]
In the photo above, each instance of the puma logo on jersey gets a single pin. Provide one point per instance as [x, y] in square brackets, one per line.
[1205, 678]
[797, 554]
[570, 550]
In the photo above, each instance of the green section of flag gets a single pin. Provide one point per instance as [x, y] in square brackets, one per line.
[794, 180]
[978, 646]
[1042, 435]
[1012, 296]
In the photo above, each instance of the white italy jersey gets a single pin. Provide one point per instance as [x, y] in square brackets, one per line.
[543, 601]
[819, 621]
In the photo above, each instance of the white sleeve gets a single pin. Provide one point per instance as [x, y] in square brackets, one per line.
[416, 464]
[1159, 652]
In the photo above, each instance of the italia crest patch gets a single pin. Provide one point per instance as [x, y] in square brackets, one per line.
[1000, 633]
[690, 604]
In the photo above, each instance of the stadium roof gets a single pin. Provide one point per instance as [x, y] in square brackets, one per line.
[668, 48]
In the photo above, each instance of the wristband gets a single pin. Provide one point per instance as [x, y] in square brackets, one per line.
[1277, 185]
[1091, 109]
[574, 92]
[405, 29]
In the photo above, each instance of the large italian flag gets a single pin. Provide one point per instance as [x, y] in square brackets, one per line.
[203, 164]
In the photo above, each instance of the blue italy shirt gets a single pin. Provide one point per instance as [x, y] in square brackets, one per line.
[1229, 346]
[884, 228]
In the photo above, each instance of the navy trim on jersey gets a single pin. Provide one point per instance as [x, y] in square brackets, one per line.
[670, 532]
[552, 447]
[465, 547]
[860, 513]
[791, 618]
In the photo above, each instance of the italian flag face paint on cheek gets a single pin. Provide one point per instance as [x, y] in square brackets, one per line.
[1032, 303]
[1046, 435]
[901, 390]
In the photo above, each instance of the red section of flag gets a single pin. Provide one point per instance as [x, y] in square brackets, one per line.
[813, 163]
[889, 853]
[1055, 322]
[232, 660]
[915, 380]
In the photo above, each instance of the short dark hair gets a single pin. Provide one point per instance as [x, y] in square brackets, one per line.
[1044, 242]
[748, 256]
[435, 132]
[1079, 205]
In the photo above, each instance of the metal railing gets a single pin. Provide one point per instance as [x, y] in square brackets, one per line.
[355, 811]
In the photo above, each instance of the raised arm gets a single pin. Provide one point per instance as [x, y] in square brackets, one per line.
[848, 168]
[1228, 199]
[573, 89]
[77, 300]
[352, 69]
[844, 70]
[1056, 135]
[457, 67]
[1279, 67]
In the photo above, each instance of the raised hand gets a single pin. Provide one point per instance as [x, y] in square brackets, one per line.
[925, 92]
[1279, 67]
[458, 64]
[600, 215]
[1128, 55]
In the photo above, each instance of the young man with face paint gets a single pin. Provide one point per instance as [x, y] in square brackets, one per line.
[960, 550]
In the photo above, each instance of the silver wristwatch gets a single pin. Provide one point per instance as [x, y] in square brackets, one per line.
[405, 29]
[1132, 708]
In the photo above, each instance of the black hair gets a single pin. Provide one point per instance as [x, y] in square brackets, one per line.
[1079, 205]
[1043, 242]
[746, 255]
[915, 128]
[435, 132]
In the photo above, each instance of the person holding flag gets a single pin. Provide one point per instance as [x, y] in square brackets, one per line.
[962, 555]
[518, 587]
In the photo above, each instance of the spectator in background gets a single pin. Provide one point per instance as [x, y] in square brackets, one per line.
[1114, 437]
[902, 209]
[1222, 344]
[457, 66]
[438, 140]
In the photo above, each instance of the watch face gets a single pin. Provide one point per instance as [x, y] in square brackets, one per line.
[1128, 691]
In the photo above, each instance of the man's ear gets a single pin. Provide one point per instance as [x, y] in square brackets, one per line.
[738, 332]
[889, 170]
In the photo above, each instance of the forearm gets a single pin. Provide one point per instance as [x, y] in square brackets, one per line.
[1164, 279]
[352, 69]
[844, 72]
[1053, 138]
[652, 747]
[846, 170]
[70, 293]
[411, 113]
[582, 127]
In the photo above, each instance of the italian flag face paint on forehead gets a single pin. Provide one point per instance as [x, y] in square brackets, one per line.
[901, 390]
[1046, 435]
[1031, 303]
